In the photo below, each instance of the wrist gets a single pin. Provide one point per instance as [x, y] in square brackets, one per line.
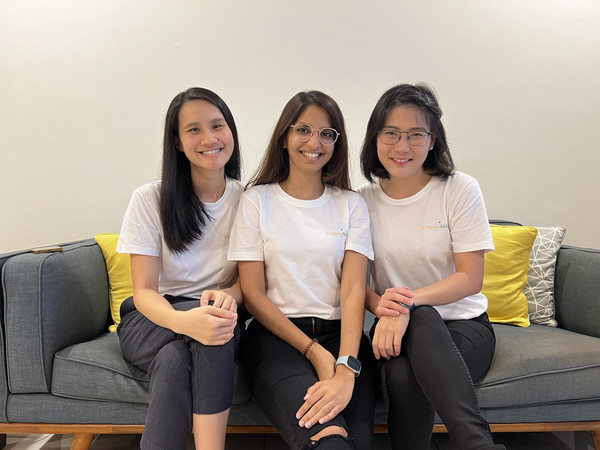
[374, 303]
[175, 320]
[235, 294]
[410, 307]
[307, 352]
[350, 363]
[344, 372]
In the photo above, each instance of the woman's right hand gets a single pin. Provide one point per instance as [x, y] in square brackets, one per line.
[328, 396]
[208, 325]
[218, 299]
[323, 361]
[394, 301]
[388, 335]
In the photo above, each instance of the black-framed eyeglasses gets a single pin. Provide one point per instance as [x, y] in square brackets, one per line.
[390, 136]
[303, 132]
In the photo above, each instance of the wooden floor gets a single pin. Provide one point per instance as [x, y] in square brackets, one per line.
[514, 441]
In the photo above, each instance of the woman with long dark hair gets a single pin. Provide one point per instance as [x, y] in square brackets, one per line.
[181, 323]
[302, 240]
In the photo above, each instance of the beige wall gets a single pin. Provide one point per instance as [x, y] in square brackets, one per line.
[84, 87]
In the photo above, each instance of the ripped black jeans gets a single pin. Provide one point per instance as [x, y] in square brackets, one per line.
[279, 376]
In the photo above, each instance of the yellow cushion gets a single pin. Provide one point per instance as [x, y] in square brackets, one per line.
[506, 274]
[119, 274]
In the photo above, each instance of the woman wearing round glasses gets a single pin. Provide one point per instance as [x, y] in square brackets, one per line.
[430, 232]
[302, 239]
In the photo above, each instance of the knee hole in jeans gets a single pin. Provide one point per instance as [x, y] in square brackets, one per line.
[332, 440]
[330, 431]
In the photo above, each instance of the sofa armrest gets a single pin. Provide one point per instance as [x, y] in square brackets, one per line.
[51, 301]
[3, 376]
[577, 290]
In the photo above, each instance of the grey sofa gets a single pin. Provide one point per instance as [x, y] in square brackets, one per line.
[62, 372]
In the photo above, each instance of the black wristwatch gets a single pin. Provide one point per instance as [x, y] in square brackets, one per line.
[351, 363]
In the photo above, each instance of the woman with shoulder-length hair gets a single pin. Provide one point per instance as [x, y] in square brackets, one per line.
[430, 232]
[181, 323]
[302, 240]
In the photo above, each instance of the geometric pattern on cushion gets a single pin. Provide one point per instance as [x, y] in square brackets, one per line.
[539, 289]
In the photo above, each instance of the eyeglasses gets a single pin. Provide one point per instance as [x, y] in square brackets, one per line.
[390, 136]
[303, 132]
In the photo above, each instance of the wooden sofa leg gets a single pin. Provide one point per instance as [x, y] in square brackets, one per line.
[596, 438]
[82, 441]
[2, 440]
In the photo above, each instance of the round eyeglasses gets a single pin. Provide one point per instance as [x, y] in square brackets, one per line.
[303, 132]
[390, 136]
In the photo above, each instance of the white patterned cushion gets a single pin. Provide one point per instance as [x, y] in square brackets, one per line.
[539, 289]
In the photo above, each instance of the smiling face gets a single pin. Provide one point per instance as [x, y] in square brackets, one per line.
[403, 161]
[204, 136]
[309, 156]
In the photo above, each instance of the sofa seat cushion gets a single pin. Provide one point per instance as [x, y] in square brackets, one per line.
[538, 365]
[96, 370]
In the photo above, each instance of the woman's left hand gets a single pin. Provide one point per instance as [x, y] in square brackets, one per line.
[326, 399]
[218, 299]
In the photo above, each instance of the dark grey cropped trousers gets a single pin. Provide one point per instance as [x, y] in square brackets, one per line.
[185, 376]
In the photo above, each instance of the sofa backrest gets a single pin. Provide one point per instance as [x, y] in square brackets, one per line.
[3, 378]
[577, 290]
[43, 294]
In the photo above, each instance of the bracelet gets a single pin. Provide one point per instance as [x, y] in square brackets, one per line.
[410, 308]
[309, 346]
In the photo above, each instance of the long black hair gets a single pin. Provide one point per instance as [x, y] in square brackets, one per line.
[182, 214]
[275, 165]
[439, 161]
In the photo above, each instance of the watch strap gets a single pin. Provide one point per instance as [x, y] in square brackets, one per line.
[346, 361]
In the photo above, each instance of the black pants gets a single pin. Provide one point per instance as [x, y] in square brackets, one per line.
[185, 375]
[434, 372]
[279, 377]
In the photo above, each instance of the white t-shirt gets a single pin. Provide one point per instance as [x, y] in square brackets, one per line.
[302, 244]
[204, 264]
[415, 238]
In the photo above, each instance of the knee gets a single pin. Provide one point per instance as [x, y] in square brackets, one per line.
[424, 313]
[425, 328]
[173, 361]
[333, 437]
[399, 376]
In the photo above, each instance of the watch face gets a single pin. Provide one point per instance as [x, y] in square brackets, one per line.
[354, 364]
[351, 362]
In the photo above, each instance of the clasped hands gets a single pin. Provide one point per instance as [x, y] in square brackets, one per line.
[213, 323]
[392, 311]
